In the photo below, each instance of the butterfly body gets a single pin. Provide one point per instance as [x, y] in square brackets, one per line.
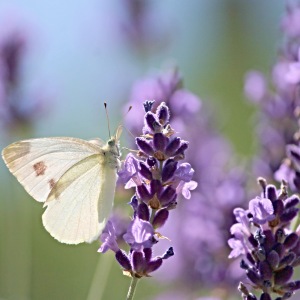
[74, 178]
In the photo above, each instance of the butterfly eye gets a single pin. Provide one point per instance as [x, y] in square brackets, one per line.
[111, 143]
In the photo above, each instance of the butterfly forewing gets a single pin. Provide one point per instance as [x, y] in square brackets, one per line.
[39, 163]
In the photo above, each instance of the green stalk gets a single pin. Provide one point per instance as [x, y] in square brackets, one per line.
[132, 288]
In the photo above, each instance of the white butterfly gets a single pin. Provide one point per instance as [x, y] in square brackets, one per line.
[75, 179]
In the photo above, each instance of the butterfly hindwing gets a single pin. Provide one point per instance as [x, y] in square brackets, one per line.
[71, 215]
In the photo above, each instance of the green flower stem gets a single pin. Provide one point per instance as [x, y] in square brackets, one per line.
[132, 288]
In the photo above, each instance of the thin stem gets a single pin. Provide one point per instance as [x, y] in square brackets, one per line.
[132, 288]
[100, 278]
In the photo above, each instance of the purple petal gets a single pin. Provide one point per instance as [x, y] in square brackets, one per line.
[185, 187]
[262, 210]
[139, 234]
[108, 237]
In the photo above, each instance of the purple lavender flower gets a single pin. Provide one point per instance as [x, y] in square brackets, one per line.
[158, 178]
[278, 103]
[255, 86]
[268, 243]
[291, 21]
[201, 253]
[142, 26]
[17, 109]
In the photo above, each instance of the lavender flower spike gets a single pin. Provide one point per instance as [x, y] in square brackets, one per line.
[158, 178]
[270, 247]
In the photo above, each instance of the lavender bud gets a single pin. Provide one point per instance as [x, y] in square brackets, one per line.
[253, 241]
[138, 262]
[163, 113]
[278, 207]
[287, 260]
[153, 265]
[284, 275]
[151, 161]
[168, 253]
[134, 203]
[143, 212]
[292, 201]
[296, 262]
[250, 297]
[167, 196]
[183, 146]
[148, 105]
[269, 240]
[289, 215]
[144, 146]
[293, 152]
[160, 218]
[147, 254]
[160, 141]
[244, 265]
[123, 260]
[254, 277]
[291, 286]
[296, 248]
[243, 289]
[151, 122]
[271, 192]
[280, 235]
[287, 295]
[143, 192]
[279, 248]
[265, 296]
[265, 270]
[168, 170]
[173, 146]
[259, 236]
[145, 172]
[273, 259]
[261, 254]
[155, 187]
[291, 240]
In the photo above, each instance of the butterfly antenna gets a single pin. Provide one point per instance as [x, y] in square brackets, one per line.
[129, 109]
[120, 126]
[106, 111]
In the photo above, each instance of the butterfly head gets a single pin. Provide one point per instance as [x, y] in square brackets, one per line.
[113, 149]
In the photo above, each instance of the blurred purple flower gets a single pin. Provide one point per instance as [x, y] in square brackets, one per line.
[291, 21]
[255, 86]
[293, 74]
[143, 27]
[277, 121]
[17, 108]
[109, 239]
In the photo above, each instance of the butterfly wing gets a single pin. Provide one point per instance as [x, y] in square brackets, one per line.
[81, 201]
[74, 179]
[38, 164]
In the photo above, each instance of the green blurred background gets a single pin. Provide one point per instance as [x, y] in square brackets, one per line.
[77, 58]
